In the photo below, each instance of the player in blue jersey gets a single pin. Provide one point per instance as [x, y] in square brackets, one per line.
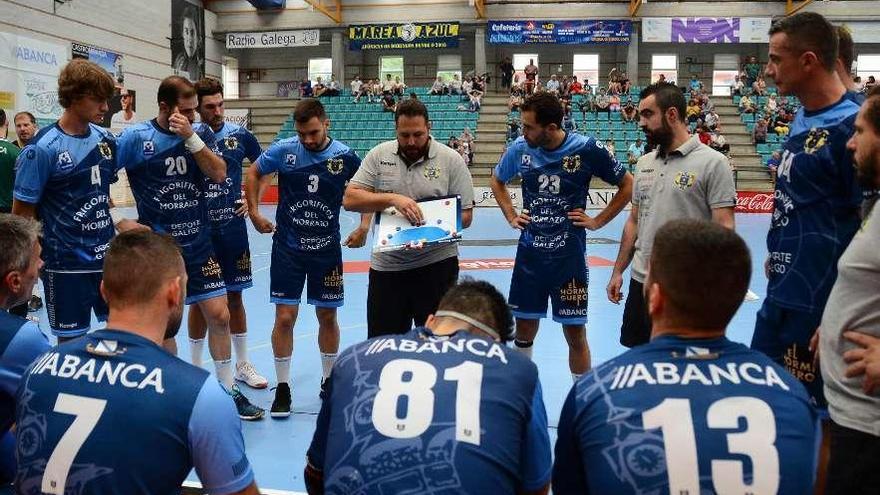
[113, 412]
[556, 168]
[817, 196]
[21, 341]
[226, 212]
[313, 170]
[689, 412]
[64, 179]
[167, 160]
[445, 408]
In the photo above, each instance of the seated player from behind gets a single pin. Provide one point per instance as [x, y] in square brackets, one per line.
[113, 412]
[445, 408]
[689, 412]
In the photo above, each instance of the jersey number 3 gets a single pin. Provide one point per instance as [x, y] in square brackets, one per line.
[87, 412]
[418, 388]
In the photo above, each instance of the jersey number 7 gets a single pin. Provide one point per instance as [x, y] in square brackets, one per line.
[87, 411]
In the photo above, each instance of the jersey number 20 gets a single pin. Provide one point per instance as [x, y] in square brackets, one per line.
[418, 389]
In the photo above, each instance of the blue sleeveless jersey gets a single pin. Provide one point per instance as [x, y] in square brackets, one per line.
[167, 184]
[816, 207]
[21, 343]
[554, 183]
[69, 178]
[310, 190]
[114, 413]
[686, 416]
[418, 413]
[235, 144]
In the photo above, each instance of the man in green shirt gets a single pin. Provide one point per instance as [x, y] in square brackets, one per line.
[8, 154]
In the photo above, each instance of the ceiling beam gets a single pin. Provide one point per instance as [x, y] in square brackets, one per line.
[335, 16]
[480, 8]
[791, 6]
[634, 7]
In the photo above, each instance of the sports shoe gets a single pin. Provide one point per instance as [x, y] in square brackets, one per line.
[246, 373]
[246, 410]
[281, 404]
[323, 393]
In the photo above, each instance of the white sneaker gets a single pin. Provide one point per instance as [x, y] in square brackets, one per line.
[247, 374]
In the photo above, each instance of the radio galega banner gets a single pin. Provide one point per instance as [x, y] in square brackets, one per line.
[559, 32]
[706, 29]
[274, 39]
[415, 35]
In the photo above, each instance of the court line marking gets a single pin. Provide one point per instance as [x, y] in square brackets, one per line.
[263, 491]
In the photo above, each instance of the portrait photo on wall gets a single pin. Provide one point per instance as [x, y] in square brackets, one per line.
[187, 40]
[122, 111]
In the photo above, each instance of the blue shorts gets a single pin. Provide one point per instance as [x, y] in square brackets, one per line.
[563, 280]
[233, 252]
[70, 299]
[288, 274]
[205, 277]
[784, 336]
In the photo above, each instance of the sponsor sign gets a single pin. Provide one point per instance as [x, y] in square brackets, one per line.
[239, 116]
[597, 199]
[29, 70]
[575, 32]
[706, 29]
[414, 35]
[754, 202]
[274, 39]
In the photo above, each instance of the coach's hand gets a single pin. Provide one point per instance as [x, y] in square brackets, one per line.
[179, 124]
[520, 221]
[409, 209]
[243, 210]
[614, 286]
[579, 218]
[864, 360]
[357, 238]
[262, 224]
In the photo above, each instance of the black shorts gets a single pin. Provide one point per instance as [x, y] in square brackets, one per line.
[636, 328]
[397, 301]
[853, 467]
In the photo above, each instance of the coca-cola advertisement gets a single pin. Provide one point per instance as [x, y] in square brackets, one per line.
[754, 202]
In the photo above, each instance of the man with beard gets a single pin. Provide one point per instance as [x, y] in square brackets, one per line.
[405, 286]
[167, 160]
[313, 170]
[556, 168]
[25, 128]
[851, 322]
[189, 62]
[680, 178]
[78, 399]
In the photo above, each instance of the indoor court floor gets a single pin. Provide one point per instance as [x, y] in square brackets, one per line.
[276, 448]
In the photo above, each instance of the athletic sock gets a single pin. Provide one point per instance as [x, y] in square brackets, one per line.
[575, 377]
[327, 360]
[239, 343]
[224, 372]
[524, 346]
[196, 350]
[282, 369]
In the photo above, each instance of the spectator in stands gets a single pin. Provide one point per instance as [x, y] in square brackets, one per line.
[629, 112]
[781, 123]
[575, 87]
[506, 72]
[661, 79]
[772, 105]
[634, 152]
[413, 96]
[305, 89]
[388, 102]
[719, 143]
[711, 120]
[466, 86]
[512, 129]
[454, 86]
[514, 102]
[452, 142]
[695, 84]
[870, 83]
[609, 143]
[568, 124]
[355, 86]
[467, 138]
[746, 105]
[332, 87]
[693, 111]
[553, 85]
[531, 72]
[475, 101]
[706, 103]
[752, 69]
[614, 103]
[759, 87]
[704, 135]
[773, 162]
[399, 87]
[736, 89]
[439, 87]
[584, 105]
[318, 89]
[388, 84]
[602, 101]
[625, 84]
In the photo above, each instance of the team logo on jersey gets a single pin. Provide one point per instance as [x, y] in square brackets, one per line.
[211, 268]
[2, 151]
[106, 348]
[527, 160]
[244, 262]
[815, 140]
[685, 180]
[149, 148]
[571, 164]
[334, 278]
[231, 142]
[31, 154]
[335, 166]
[64, 160]
[573, 292]
[105, 150]
[432, 172]
[290, 159]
